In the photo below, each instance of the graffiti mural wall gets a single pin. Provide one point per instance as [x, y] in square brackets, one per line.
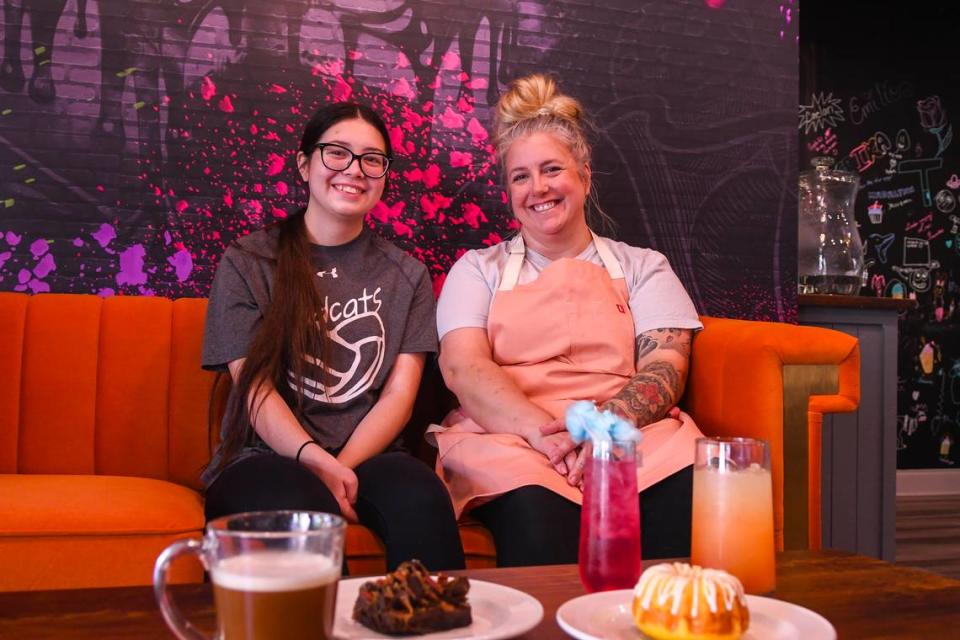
[140, 137]
[890, 115]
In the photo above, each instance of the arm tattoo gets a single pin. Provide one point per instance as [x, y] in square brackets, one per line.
[675, 339]
[645, 345]
[649, 394]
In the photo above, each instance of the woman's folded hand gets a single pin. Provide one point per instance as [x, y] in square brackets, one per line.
[553, 440]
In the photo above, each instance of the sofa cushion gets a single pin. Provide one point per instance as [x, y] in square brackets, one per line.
[67, 531]
[87, 505]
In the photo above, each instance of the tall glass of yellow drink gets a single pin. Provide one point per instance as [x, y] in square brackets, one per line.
[733, 511]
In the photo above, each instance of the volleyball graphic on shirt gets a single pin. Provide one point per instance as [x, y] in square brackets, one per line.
[356, 349]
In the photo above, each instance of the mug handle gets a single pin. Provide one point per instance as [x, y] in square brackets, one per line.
[171, 613]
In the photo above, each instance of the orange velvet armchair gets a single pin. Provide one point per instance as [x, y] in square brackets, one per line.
[104, 430]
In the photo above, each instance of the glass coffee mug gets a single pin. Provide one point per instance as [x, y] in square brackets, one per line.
[274, 575]
[609, 555]
[732, 526]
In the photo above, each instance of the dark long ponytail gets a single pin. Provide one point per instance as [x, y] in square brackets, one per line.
[292, 328]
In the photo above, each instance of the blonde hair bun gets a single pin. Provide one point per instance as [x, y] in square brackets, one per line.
[534, 96]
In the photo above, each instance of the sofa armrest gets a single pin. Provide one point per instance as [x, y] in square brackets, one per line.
[775, 381]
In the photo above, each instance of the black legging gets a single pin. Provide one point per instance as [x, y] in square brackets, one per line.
[398, 497]
[532, 525]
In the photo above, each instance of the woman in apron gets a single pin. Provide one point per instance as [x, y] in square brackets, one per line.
[555, 315]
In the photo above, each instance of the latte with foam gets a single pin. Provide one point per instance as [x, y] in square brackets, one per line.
[275, 594]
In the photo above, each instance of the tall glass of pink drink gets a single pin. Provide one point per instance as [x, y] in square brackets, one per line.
[733, 511]
[610, 518]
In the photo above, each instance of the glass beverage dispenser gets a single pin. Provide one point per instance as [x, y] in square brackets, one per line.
[830, 255]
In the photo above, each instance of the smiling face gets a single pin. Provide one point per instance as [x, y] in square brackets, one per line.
[343, 197]
[548, 189]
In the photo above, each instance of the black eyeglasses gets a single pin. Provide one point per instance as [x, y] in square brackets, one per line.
[336, 157]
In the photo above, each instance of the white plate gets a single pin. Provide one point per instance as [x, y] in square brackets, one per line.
[606, 615]
[498, 612]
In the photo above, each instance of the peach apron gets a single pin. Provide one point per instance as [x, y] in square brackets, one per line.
[566, 336]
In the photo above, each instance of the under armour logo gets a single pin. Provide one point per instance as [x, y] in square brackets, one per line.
[332, 273]
[621, 308]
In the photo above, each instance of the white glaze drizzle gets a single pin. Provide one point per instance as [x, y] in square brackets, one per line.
[669, 581]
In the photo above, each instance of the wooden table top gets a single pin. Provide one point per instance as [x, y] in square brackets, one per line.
[862, 597]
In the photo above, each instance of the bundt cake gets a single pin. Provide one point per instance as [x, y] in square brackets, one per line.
[676, 601]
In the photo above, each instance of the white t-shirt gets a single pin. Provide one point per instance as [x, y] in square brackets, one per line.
[657, 298]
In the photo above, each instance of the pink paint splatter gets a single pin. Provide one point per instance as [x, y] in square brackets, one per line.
[401, 88]
[464, 105]
[433, 204]
[715, 4]
[131, 266]
[182, 206]
[225, 104]
[12, 238]
[4, 257]
[341, 91]
[477, 130]
[401, 229]
[207, 88]
[438, 284]
[384, 212]
[396, 137]
[106, 292]
[492, 239]
[403, 62]
[104, 235]
[450, 60]
[451, 119]
[182, 263]
[460, 159]
[281, 188]
[39, 247]
[431, 177]
[275, 88]
[274, 164]
[473, 215]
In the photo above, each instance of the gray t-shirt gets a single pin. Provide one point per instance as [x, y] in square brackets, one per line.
[378, 302]
[657, 297]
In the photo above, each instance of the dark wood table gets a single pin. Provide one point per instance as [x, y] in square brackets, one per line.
[862, 597]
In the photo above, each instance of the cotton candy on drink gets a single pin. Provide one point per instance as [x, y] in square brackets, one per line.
[585, 421]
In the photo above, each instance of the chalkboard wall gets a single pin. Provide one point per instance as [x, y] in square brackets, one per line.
[880, 95]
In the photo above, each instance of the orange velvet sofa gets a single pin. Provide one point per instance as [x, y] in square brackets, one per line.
[104, 430]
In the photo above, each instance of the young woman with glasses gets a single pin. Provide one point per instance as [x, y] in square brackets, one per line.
[324, 328]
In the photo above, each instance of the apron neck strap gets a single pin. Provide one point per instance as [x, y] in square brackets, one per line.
[516, 251]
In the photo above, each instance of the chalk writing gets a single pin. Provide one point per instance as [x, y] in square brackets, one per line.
[823, 111]
[891, 194]
[825, 144]
[921, 225]
[882, 94]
